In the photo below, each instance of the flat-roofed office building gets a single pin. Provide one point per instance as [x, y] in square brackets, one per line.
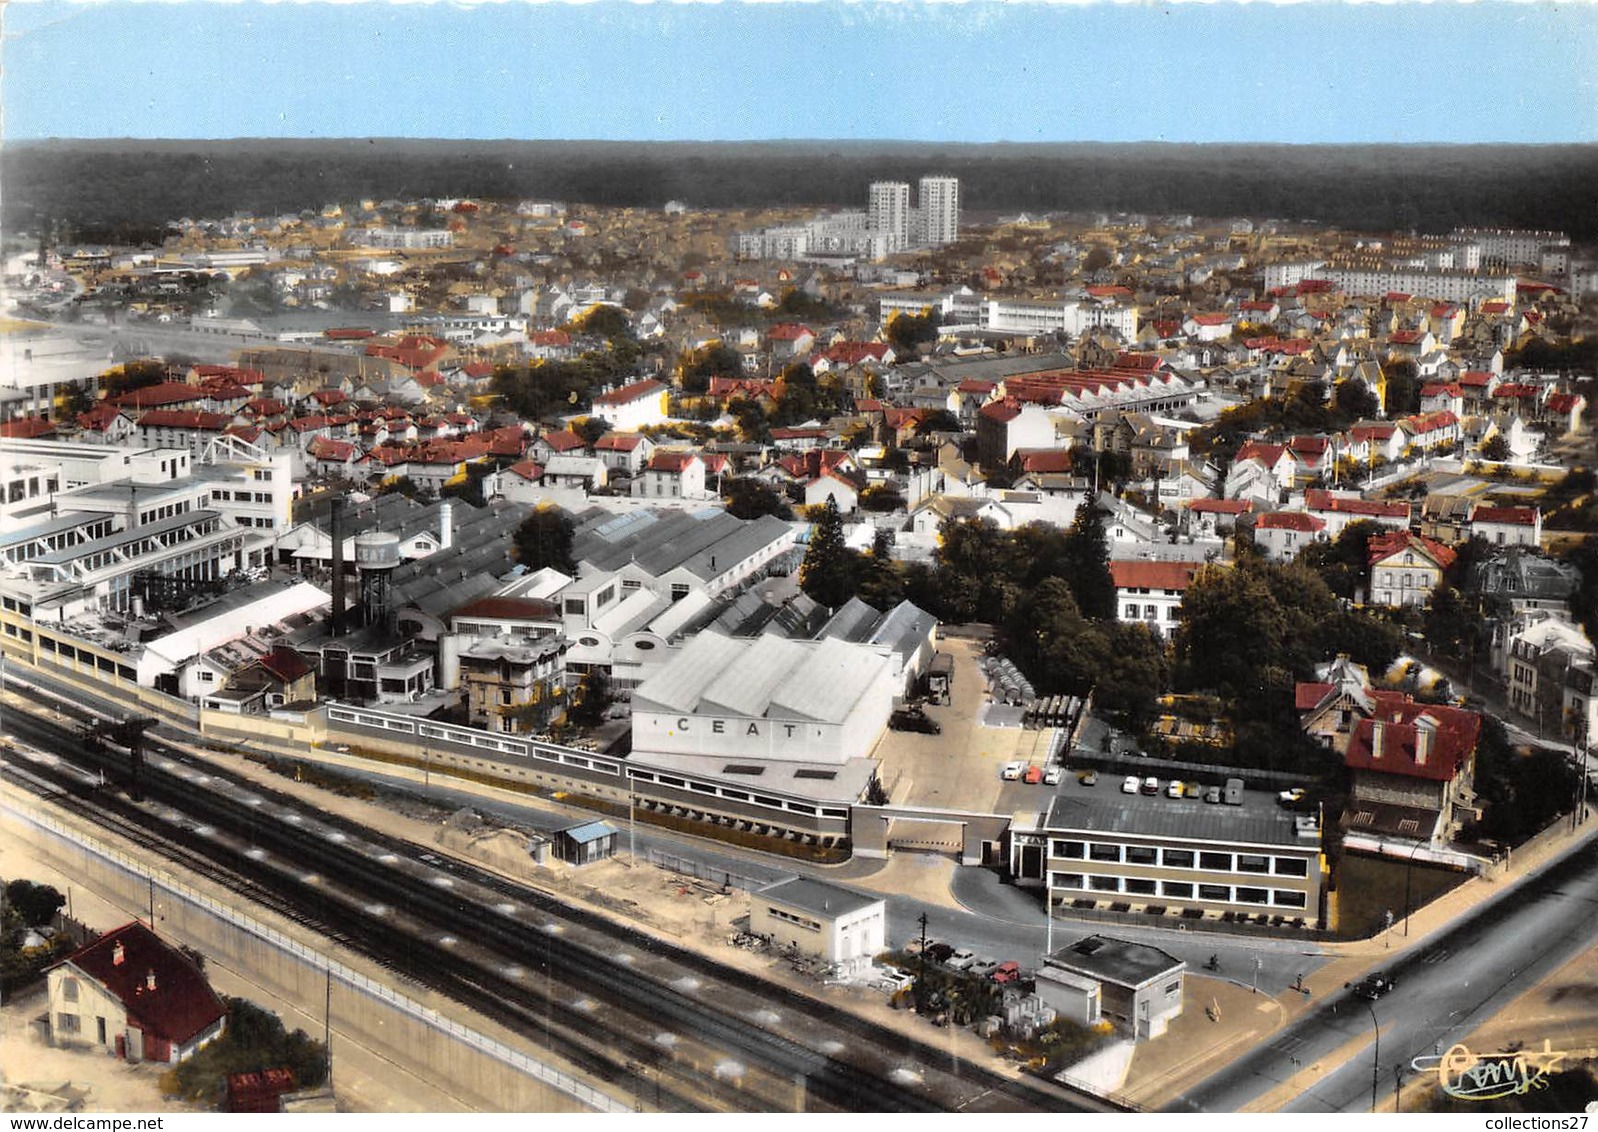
[1098, 844]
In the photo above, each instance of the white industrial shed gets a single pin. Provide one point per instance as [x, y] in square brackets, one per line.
[821, 920]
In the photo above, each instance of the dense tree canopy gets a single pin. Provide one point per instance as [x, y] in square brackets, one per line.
[747, 498]
[830, 571]
[543, 539]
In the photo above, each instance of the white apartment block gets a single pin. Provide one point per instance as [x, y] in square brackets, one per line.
[402, 238]
[939, 201]
[1506, 247]
[889, 209]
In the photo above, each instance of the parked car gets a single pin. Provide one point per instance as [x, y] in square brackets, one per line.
[914, 719]
[1151, 786]
[913, 944]
[1012, 771]
[939, 952]
[1129, 784]
[1213, 794]
[1052, 776]
[1193, 790]
[1291, 797]
[1007, 972]
[1174, 790]
[1088, 778]
[1373, 986]
[984, 967]
[1033, 776]
[961, 959]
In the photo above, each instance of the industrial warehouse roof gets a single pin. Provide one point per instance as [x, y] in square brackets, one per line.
[767, 677]
[817, 897]
[1103, 809]
[706, 543]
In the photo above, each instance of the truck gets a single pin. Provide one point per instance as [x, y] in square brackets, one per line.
[1234, 791]
[940, 677]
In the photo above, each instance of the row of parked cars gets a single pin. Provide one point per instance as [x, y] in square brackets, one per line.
[964, 959]
[1031, 775]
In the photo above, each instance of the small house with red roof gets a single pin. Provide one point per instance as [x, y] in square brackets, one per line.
[562, 443]
[625, 452]
[1412, 766]
[1208, 518]
[1280, 535]
[1442, 397]
[1262, 472]
[30, 427]
[789, 341]
[1338, 509]
[1208, 327]
[1564, 410]
[162, 395]
[1405, 568]
[1151, 592]
[131, 994]
[1372, 441]
[1430, 432]
[1507, 526]
[632, 407]
[672, 474]
[104, 424]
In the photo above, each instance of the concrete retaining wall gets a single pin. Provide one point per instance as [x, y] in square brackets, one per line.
[484, 1073]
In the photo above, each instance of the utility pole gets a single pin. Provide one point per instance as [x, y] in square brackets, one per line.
[327, 1023]
[921, 979]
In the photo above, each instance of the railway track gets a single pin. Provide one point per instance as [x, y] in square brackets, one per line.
[768, 1067]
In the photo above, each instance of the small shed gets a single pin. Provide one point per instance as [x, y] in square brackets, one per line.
[586, 843]
[821, 920]
[1140, 986]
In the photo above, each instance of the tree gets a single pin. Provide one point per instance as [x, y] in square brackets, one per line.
[747, 498]
[1496, 449]
[714, 360]
[1097, 259]
[1353, 401]
[829, 571]
[404, 485]
[939, 420]
[604, 321]
[1087, 565]
[543, 539]
[1134, 675]
[1403, 387]
[1343, 563]
[907, 333]
[36, 904]
[589, 702]
[590, 429]
[1058, 649]
[882, 497]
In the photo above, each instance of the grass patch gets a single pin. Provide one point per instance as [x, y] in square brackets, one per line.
[1369, 887]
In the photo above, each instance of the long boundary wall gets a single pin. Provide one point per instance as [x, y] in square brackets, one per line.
[486, 1072]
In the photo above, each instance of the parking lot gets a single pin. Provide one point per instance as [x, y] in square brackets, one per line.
[959, 768]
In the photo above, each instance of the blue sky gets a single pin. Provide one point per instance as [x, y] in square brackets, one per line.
[978, 71]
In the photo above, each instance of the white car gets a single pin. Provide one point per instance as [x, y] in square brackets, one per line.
[1174, 790]
[1291, 797]
[1052, 776]
[1012, 771]
[1130, 785]
[961, 959]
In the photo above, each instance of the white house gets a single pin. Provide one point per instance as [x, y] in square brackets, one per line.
[131, 995]
[1151, 592]
[1280, 535]
[634, 406]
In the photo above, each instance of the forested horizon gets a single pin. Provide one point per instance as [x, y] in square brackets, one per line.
[112, 189]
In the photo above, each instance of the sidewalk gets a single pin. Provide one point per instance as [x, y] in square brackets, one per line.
[1195, 1046]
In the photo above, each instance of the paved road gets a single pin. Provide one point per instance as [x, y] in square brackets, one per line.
[1461, 977]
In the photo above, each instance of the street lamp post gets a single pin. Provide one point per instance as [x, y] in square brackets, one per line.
[1409, 868]
[1376, 1054]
